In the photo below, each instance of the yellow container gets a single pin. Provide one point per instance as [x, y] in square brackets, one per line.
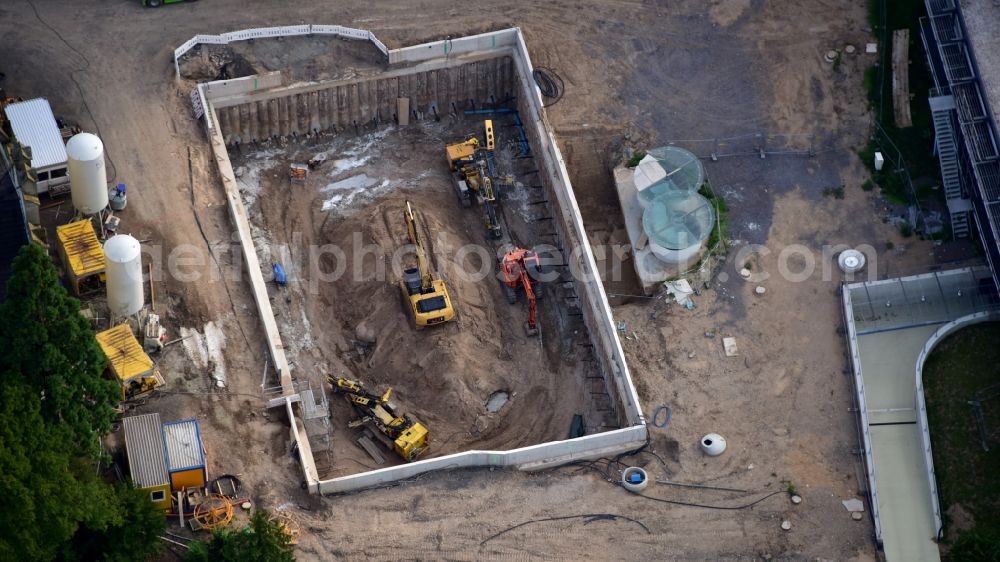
[81, 251]
[185, 454]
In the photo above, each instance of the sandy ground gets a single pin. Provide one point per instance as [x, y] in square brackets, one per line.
[636, 73]
[354, 325]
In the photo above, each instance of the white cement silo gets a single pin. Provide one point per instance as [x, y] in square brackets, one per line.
[88, 177]
[123, 266]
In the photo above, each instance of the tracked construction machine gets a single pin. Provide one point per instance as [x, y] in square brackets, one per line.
[401, 433]
[521, 270]
[473, 168]
[425, 299]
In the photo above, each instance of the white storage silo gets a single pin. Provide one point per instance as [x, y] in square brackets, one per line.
[123, 266]
[88, 178]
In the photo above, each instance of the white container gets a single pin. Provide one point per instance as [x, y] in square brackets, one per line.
[879, 161]
[713, 444]
[123, 266]
[851, 261]
[675, 257]
[635, 479]
[88, 178]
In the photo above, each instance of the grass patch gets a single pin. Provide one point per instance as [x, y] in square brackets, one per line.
[915, 143]
[962, 365]
[835, 192]
[889, 179]
[721, 211]
[637, 157]
[871, 85]
[868, 185]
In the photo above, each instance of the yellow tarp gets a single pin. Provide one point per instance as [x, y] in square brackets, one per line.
[82, 249]
[126, 356]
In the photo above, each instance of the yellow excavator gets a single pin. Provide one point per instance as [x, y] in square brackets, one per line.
[425, 299]
[408, 437]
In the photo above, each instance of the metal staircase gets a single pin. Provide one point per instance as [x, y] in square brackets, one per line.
[946, 146]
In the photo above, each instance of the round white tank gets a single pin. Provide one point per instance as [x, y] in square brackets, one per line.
[88, 178]
[676, 257]
[123, 266]
[677, 224]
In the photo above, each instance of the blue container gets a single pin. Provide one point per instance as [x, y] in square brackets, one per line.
[279, 274]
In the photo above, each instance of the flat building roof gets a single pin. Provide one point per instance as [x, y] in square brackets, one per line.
[147, 463]
[34, 125]
[126, 356]
[183, 443]
[82, 248]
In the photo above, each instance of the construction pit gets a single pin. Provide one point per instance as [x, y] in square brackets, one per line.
[353, 325]
[488, 392]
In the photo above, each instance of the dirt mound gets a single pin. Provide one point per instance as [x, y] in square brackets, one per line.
[215, 62]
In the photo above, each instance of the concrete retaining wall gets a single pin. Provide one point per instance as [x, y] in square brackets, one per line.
[535, 457]
[494, 41]
[270, 32]
[593, 299]
[242, 86]
[259, 113]
[238, 215]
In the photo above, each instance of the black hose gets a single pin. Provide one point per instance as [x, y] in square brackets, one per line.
[611, 462]
[549, 83]
[703, 506]
[587, 517]
[656, 415]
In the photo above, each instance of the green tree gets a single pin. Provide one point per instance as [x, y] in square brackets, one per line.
[51, 347]
[44, 495]
[262, 540]
[55, 405]
[130, 531]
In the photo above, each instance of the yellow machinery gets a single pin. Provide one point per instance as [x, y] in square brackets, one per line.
[83, 255]
[491, 142]
[425, 299]
[472, 171]
[131, 367]
[409, 438]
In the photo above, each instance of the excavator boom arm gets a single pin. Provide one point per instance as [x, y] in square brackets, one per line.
[529, 292]
[426, 282]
